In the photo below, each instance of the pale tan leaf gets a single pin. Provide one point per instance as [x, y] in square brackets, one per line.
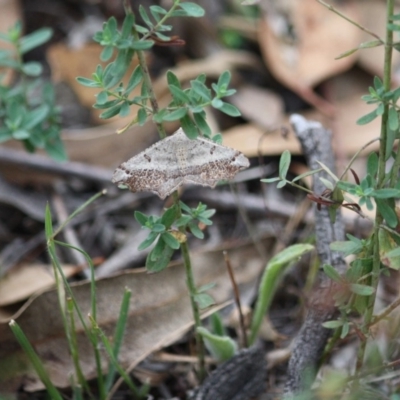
[159, 311]
[25, 280]
[301, 48]
[258, 105]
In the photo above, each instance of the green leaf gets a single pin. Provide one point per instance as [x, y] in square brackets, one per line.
[169, 216]
[185, 207]
[347, 53]
[345, 330]
[270, 282]
[179, 95]
[378, 84]
[217, 103]
[204, 300]
[170, 240]
[142, 116]
[88, 82]
[196, 231]
[21, 134]
[372, 164]
[183, 220]
[270, 180]
[56, 149]
[362, 290]
[206, 287]
[35, 360]
[207, 213]
[391, 136]
[141, 218]
[305, 174]
[332, 324]
[221, 348]
[102, 97]
[37, 116]
[35, 39]
[389, 250]
[175, 115]
[229, 109]
[125, 109]
[281, 184]
[173, 80]
[142, 45]
[201, 122]
[393, 27]
[201, 90]
[127, 25]
[111, 112]
[106, 53]
[385, 193]
[135, 79]
[161, 261]
[284, 164]
[346, 247]
[192, 9]
[387, 212]
[148, 241]
[158, 227]
[217, 324]
[332, 273]
[223, 82]
[189, 127]
[367, 118]
[393, 119]
[32, 68]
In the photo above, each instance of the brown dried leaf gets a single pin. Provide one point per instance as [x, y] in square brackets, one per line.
[302, 54]
[25, 280]
[159, 311]
[373, 17]
[258, 105]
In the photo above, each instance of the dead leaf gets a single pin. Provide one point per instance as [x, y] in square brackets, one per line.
[159, 309]
[10, 14]
[25, 280]
[373, 17]
[259, 105]
[300, 40]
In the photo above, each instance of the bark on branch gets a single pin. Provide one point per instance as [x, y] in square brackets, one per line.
[312, 337]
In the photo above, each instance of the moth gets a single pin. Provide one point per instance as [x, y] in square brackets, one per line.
[168, 164]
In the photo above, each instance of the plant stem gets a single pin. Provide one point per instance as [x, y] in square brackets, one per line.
[184, 246]
[195, 309]
[376, 262]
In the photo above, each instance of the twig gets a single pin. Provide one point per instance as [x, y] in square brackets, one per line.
[237, 298]
[45, 164]
[312, 338]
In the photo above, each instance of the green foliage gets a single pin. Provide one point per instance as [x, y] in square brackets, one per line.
[222, 348]
[272, 275]
[187, 104]
[165, 232]
[27, 109]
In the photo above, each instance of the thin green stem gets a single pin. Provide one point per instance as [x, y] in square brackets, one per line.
[149, 85]
[376, 262]
[395, 170]
[184, 246]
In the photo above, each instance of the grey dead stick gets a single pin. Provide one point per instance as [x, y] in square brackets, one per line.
[312, 337]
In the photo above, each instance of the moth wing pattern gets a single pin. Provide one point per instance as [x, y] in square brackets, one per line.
[171, 162]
